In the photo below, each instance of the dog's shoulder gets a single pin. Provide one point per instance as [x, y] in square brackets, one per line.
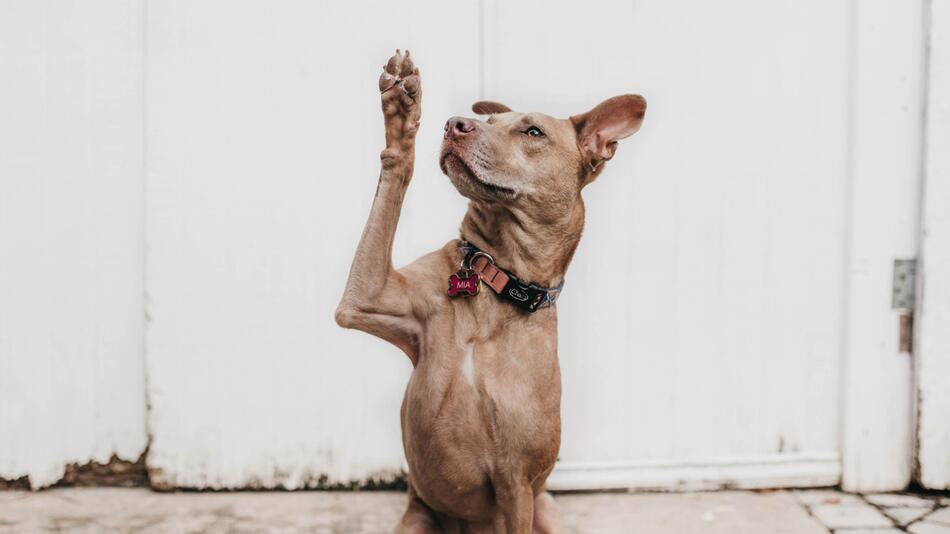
[427, 277]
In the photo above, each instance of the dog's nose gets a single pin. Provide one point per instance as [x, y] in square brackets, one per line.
[459, 126]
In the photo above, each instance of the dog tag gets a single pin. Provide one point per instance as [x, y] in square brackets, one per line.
[463, 283]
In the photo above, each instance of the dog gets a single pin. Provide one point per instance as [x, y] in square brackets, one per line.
[481, 423]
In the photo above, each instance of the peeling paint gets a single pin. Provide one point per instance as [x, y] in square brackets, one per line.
[381, 481]
[15, 483]
[121, 473]
[115, 473]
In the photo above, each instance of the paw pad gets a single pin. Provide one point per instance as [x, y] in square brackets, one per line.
[401, 74]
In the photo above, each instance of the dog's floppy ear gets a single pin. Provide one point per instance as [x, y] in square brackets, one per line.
[487, 107]
[599, 129]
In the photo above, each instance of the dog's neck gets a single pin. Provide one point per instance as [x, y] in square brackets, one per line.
[534, 250]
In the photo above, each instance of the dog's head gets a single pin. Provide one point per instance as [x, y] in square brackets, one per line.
[532, 159]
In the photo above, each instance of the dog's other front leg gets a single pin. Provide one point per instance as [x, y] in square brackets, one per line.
[377, 299]
[515, 509]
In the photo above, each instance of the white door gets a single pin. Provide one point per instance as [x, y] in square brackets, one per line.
[735, 226]
[722, 226]
[752, 224]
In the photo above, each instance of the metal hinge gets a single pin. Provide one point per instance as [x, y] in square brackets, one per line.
[903, 299]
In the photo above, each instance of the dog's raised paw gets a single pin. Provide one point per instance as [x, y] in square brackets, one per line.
[401, 88]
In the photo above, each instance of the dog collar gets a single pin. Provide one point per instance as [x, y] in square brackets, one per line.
[529, 297]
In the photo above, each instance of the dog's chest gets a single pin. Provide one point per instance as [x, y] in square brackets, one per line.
[483, 386]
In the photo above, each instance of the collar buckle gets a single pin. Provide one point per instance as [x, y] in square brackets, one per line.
[528, 297]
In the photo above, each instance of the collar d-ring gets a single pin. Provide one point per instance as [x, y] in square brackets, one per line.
[476, 254]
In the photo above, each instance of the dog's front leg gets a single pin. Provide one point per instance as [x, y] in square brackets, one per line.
[377, 298]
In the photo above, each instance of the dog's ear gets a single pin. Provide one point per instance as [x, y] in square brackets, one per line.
[599, 129]
[487, 107]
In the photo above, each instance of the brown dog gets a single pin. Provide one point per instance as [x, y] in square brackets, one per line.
[481, 415]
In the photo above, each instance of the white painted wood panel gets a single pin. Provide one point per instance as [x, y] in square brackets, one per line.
[885, 151]
[725, 219]
[264, 136]
[933, 315]
[71, 227]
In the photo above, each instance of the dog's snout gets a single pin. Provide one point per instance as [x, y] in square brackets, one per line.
[459, 126]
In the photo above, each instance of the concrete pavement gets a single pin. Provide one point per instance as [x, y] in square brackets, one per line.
[105, 510]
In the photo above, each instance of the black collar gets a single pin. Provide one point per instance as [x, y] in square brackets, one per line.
[529, 296]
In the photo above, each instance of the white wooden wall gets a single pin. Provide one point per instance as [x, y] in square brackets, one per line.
[71, 234]
[726, 215]
[755, 218]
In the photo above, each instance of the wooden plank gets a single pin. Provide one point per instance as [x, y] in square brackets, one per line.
[888, 52]
[264, 133]
[723, 217]
[933, 314]
[71, 236]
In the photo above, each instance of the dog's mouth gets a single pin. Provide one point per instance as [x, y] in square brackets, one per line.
[453, 165]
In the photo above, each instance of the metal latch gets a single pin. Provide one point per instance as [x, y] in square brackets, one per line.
[903, 298]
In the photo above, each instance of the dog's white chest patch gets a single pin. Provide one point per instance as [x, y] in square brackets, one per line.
[468, 365]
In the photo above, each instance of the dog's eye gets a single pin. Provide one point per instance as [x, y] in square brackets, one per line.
[534, 131]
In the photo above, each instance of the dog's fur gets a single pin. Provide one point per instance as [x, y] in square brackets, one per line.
[481, 414]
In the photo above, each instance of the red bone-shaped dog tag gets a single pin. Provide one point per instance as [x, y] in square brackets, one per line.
[464, 283]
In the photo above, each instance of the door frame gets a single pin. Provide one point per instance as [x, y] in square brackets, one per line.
[932, 341]
[887, 124]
